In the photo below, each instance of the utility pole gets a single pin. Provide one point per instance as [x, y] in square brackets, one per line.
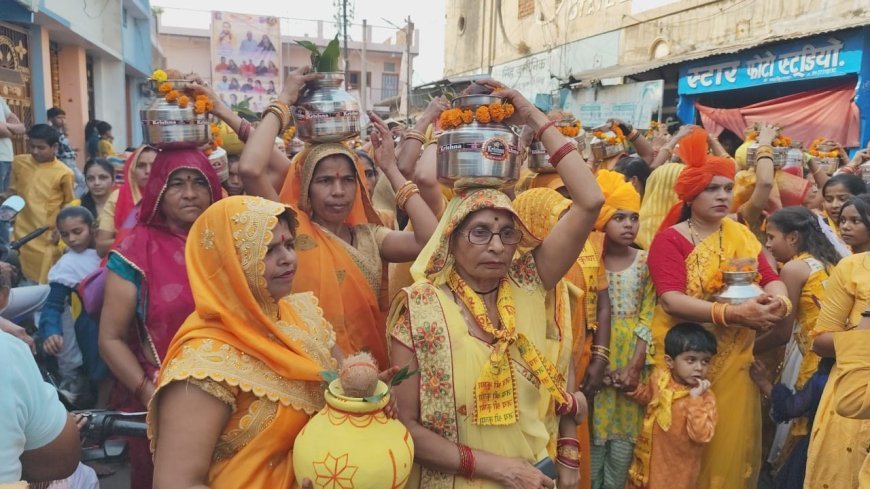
[409, 38]
[363, 82]
[344, 23]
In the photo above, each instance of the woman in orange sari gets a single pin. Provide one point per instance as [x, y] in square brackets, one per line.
[695, 242]
[241, 378]
[343, 247]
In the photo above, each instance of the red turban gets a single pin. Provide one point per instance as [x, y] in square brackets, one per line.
[699, 171]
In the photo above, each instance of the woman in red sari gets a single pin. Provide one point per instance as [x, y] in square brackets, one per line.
[125, 198]
[147, 291]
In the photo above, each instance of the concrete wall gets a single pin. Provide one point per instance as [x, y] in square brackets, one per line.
[109, 97]
[98, 22]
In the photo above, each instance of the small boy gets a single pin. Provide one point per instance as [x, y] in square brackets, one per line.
[681, 413]
[46, 185]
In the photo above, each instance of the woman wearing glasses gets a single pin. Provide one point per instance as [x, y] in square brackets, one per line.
[488, 349]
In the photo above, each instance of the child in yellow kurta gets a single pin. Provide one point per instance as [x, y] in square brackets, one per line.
[46, 185]
[852, 389]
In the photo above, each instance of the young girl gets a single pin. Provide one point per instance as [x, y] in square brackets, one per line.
[837, 191]
[795, 238]
[616, 418]
[854, 224]
[74, 341]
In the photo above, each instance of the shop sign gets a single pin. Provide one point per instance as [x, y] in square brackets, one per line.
[819, 57]
[634, 103]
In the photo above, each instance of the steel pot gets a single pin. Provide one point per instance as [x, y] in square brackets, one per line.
[780, 156]
[478, 155]
[325, 113]
[166, 125]
[601, 149]
[739, 287]
[539, 160]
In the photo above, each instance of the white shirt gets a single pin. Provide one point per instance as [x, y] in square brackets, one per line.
[32, 415]
[6, 150]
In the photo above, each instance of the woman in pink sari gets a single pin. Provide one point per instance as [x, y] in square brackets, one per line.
[147, 292]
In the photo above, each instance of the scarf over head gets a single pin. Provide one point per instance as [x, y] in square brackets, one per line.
[130, 192]
[437, 265]
[618, 195]
[700, 168]
[329, 267]
[157, 251]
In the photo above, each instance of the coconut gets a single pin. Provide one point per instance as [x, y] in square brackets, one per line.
[359, 375]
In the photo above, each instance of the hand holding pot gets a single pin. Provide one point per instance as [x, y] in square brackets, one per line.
[759, 313]
[766, 133]
[295, 82]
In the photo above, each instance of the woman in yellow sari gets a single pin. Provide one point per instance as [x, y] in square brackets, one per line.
[695, 242]
[343, 246]
[241, 377]
[491, 371]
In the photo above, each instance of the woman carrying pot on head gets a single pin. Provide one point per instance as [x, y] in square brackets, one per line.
[695, 243]
[147, 290]
[476, 325]
[124, 199]
[242, 376]
[342, 245]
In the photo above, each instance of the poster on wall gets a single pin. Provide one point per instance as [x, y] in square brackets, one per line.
[245, 58]
[635, 103]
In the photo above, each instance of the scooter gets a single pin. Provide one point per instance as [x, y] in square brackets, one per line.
[102, 429]
[9, 249]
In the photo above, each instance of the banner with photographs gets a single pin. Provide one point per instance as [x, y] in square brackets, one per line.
[245, 59]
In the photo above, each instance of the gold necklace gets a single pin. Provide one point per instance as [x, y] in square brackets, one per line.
[697, 236]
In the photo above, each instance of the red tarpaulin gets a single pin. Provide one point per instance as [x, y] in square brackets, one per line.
[803, 116]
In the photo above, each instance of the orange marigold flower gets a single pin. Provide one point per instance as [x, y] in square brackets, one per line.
[183, 100]
[467, 116]
[496, 111]
[508, 110]
[218, 141]
[165, 87]
[482, 115]
[172, 96]
[199, 107]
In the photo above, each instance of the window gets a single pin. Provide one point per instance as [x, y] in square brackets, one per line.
[354, 79]
[390, 85]
[525, 8]
[390, 67]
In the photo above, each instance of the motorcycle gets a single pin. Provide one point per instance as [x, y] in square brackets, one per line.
[9, 249]
[102, 429]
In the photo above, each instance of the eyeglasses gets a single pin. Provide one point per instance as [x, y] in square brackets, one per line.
[483, 236]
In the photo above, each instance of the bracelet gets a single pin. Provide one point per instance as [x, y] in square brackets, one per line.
[542, 129]
[568, 452]
[600, 348]
[633, 135]
[277, 113]
[285, 110]
[786, 302]
[466, 461]
[244, 130]
[570, 407]
[560, 153]
[415, 135]
[601, 355]
[717, 314]
[405, 192]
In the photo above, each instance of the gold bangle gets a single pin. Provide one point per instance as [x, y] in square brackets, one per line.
[786, 302]
[600, 348]
[407, 190]
[416, 135]
[602, 355]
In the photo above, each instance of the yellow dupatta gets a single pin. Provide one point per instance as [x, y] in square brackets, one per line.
[738, 431]
[239, 337]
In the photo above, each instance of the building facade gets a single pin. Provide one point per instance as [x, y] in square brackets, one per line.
[90, 59]
[188, 49]
[632, 58]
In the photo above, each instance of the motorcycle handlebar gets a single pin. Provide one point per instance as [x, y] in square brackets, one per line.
[15, 245]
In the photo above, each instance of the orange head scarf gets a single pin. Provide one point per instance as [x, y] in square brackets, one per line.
[618, 195]
[699, 171]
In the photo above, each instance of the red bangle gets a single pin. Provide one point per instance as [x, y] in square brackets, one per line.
[244, 130]
[466, 461]
[560, 153]
[542, 129]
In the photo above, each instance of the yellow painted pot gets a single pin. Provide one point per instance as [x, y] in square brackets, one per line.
[351, 443]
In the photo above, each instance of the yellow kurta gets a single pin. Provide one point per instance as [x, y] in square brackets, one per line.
[838, 445]
[46, 188]
[852, 389]
[732, 459]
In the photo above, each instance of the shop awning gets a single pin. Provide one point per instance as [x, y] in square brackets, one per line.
[629, 70]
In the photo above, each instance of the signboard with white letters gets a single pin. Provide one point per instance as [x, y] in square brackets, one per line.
[634, 103]
[818, 57]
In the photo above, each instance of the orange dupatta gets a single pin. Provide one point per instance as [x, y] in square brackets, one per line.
[239, 336]
[357, 313]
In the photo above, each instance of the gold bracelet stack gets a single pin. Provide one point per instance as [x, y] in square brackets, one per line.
[601, 351]
[786, 302]
[717, 314]
[763, 152]
[281, 111]
[407, 190]
[415, 135]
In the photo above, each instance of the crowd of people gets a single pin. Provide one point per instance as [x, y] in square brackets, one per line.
[564, 332]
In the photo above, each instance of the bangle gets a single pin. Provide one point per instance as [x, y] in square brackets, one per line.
[405, 192]
[601, 348]
[717, 314]
[560, 153]
[601, 355]
[786, 302]
[633, 135]
[466, 461]
[244, 130]
[542, 129]
[570, 407]
[568, 452]
[415, 135]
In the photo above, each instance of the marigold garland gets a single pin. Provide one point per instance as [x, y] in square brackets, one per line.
[617, 138]
[654, 127]
[289, 134]
[814, 149]
[569, 129]
[484, 114]
[216, 139]
[172, 96]
[165, 88]
[782, 141]
[183, 101]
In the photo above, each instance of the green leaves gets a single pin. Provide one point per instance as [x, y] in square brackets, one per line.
[402, 375]
[326, 61]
